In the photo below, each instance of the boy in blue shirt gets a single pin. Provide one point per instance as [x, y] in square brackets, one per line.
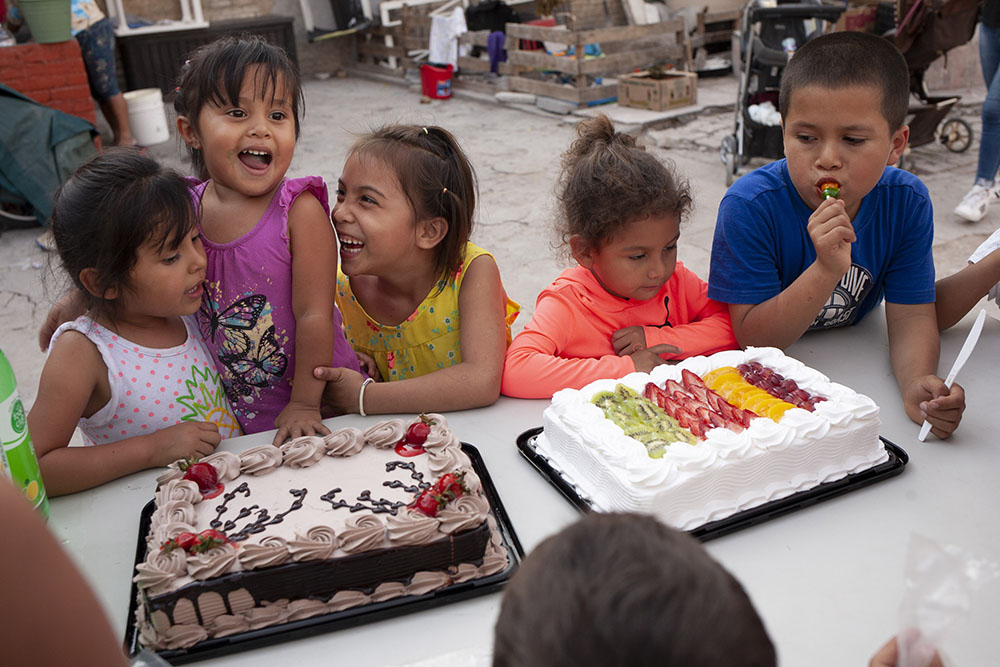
[788, 257]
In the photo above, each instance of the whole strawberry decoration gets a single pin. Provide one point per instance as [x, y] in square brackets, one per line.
[447, 488]
[428, 502]
[207, 540]
[184, 541]
[415, 436]
[204, 475]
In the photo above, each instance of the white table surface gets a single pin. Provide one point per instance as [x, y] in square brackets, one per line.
[827, 579]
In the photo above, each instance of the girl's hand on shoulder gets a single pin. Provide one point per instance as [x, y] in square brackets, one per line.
[297, 420]
[70, 306]
[184, 441]
[649, 358]
[368, 365]
[343, 387]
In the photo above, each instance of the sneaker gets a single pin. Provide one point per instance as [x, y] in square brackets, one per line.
[973, 205]
[46, 241]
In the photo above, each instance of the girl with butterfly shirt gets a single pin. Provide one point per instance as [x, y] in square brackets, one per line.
[133, 373]
[269, 315]
[425, 304]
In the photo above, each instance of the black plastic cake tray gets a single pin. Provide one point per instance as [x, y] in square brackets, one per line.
[368, 613]
[749, 517]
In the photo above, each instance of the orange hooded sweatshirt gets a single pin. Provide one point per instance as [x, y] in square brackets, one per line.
[568, 341]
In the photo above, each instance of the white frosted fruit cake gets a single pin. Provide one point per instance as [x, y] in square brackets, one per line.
[318, 525]
[709, 437]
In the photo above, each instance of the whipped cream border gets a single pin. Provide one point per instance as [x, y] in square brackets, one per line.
[615, 471]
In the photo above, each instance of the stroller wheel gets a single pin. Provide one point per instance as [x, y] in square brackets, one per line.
[956, 135]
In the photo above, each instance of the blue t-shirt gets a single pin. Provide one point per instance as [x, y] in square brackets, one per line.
[762, 245]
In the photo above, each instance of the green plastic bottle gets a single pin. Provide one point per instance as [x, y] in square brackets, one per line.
[19, 461]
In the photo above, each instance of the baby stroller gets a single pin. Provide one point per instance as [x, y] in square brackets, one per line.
[926, 30]
[767, 36]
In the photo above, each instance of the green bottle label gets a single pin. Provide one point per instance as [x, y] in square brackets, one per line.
[20, 463]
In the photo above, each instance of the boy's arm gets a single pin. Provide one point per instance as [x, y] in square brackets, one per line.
[959, 292]
[314, 282]
[782, 319]
[914, 347]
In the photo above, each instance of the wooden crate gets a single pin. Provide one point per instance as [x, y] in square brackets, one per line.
[713, 33]
[626, 48]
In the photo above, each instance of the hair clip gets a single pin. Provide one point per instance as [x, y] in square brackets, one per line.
[426, 132]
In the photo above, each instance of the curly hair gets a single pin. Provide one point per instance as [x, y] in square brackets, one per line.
[609, 181]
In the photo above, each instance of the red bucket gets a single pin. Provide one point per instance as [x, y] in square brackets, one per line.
[436, 81]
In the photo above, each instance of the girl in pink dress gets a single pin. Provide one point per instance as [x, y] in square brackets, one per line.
[268, 313]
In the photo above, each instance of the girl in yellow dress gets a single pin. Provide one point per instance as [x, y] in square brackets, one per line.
[422, 302]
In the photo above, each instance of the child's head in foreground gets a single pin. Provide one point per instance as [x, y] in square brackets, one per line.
[843, 103]
[621, 209]
[228, 75]
[620, 589]
[404, 186]
[117, 208]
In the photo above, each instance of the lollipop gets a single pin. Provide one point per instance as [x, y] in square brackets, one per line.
[830, 189]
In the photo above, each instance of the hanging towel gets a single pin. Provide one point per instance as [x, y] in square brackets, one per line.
[443, 47]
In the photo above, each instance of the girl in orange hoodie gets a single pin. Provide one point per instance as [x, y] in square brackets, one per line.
[629, 305]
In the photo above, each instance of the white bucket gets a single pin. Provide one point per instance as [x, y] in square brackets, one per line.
[146, 116]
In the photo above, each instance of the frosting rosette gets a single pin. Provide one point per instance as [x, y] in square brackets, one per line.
[386, 434]
[160, 569]
[227, 465]
[362, 533]
[178, 489]
[175, 511]
[260, 460]
[462, 513]
[214, 562]
[344, 442]
[303, 452]
[412, 527]
[272, 550]
[318, 543]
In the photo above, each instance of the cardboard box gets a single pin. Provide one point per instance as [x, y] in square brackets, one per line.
[639, 90]
[860, 18]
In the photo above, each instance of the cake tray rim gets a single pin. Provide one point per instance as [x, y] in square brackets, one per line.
[898, 458]
[307, 627]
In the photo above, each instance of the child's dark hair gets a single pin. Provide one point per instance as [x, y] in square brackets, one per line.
[214, 74]
[850, 58]
[109, 208]
[609, 181]
[436, 177]
[622, 589]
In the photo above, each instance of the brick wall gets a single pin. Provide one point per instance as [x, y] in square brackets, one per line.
[52, 74]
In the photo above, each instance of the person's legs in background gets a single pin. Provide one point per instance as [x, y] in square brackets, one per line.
[97, 45]
[985, 191]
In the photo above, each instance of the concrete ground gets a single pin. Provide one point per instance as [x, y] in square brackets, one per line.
[515, 150]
